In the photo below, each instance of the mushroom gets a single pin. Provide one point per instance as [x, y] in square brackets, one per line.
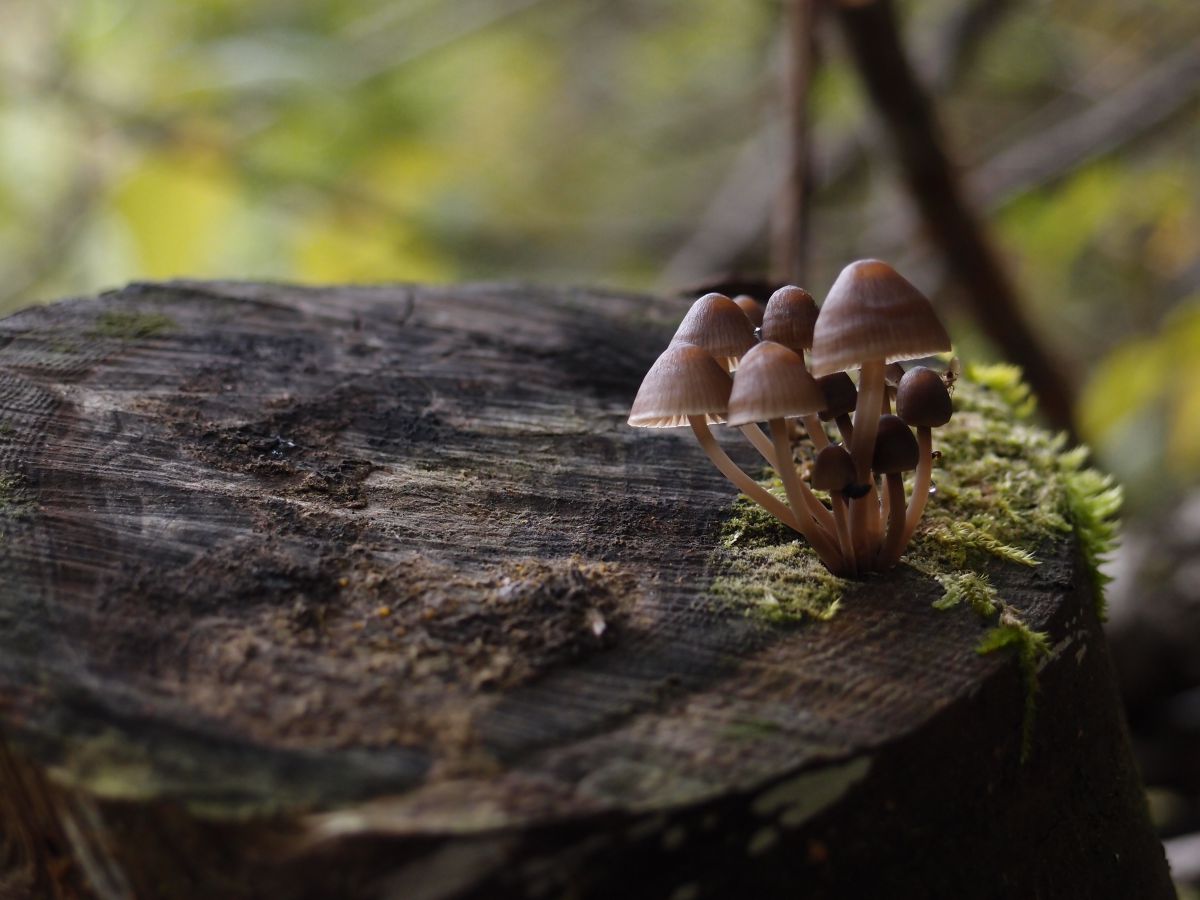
[872, 316]
[840, 398]
[771, 385]
[717, 324]
[923, 402]
[686, 386]
[833, 471]
[789, 319]
[751, 307]
[892, 373]
[895, 453]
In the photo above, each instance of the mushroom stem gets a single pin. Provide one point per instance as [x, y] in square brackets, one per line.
[808, 509]
[812, 424]
[761, 443]
[842, 524]
[846, 428]
[921, 482]
[894, 545]
[740, 479]
[862, 446]
[866, 417]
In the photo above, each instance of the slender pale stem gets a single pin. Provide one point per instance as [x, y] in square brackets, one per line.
[803, 503]
[815, 507]
[921, 482]
[846, 428]
[894, 545]
[862, 447]
[761, 443]
[740, 479]
[842, 523]
[812, 424]
[866, 417]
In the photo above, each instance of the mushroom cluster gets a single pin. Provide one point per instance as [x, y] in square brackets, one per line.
[725, 366]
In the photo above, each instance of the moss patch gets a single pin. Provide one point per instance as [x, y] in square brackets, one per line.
[16, 500]
[1003, 488]
[127, 325]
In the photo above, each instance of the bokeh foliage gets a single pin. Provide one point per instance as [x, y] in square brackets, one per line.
[585, 141]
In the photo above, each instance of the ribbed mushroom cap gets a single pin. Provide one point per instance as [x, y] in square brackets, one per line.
[718, 325]
[922, 399]
[840, 395]
[896, 449]
[684, 381]
[751, 307]
[833, 469]
[790, 317]
[772, 383]
[873, 313]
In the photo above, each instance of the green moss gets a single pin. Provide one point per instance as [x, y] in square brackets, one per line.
[968, 587]
[127, 325]
[15, 499]
[1004, 488]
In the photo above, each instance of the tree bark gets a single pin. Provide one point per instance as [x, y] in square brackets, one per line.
[370, 592]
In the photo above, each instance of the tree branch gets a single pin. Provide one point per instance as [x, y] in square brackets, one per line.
[873, 39]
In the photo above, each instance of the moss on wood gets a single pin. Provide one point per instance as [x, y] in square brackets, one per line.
[1004, 487]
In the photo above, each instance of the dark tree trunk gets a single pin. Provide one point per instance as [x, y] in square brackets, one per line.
[370, 592]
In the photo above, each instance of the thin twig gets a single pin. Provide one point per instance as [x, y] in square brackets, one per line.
[789, 250]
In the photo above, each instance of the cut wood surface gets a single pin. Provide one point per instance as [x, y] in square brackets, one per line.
[371, 592]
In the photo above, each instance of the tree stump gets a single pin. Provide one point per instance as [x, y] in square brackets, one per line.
[370, 592]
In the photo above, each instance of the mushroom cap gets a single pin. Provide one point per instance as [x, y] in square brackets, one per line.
[751, 307]
[896, 449]
[684, 381]
[789, 319]
[772, 383]
[922, 399]
[873, 313]
[833, 469]
[718, 325]
[841, 396]
[892, 373]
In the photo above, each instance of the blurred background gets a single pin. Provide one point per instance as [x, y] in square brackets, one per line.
[644, 144]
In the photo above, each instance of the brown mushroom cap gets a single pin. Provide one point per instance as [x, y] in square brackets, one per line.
[751, 307]
[896, 448]
[789, 319]
[892, 373]
[840, 395]
[772, 383]
[873, 313]
[684, 381]
[833, 469]
[922, 399]
[718, 325]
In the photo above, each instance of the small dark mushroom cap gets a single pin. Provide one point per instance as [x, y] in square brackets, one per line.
[922, 399]
[873, 313]
[684, 381]
[772, 383]
[790, 317]
[751, 307]
[896, 448]
[841, 395]
[892, 373]
[718, 325]
[833, 469]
